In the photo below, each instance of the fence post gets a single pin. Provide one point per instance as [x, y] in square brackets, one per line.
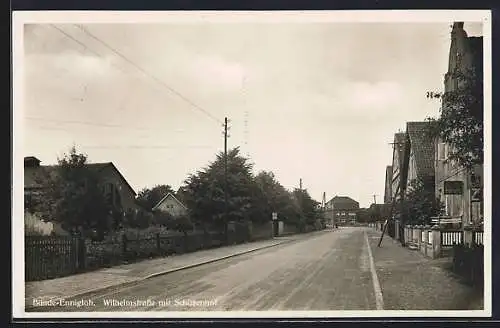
[406, 234]
[436, 241]
[428, 241]
[186, 242]
[423, 238]
[124, 245]
[81, 253]
[396, 230]
[418, 230]
[468, 236]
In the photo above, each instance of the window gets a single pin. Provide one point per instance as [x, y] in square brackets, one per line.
[442, 151]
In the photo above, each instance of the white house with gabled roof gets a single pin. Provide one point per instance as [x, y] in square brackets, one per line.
[170, 204]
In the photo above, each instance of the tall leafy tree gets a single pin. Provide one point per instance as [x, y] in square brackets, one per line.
[271, 196]
[203, 192]
[460, 123]
[308, 207]
[71, 195]
[147, 198]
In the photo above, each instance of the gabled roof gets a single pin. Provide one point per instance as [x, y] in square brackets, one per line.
[30, 173]
[422, 146]
[388, 173]
[343, 199]
[167, 196]
[400, 144]
[101, 166]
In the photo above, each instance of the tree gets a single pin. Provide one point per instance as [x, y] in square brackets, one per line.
[460, 123]
[71, 195]
[140, 219]
[270, 196]
[203, 192]
[420, 203]
[308, 207]
[148, 198]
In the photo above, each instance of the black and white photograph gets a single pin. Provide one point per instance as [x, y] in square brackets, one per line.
[252, 164]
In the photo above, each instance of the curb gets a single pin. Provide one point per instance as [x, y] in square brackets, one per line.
[157, 274]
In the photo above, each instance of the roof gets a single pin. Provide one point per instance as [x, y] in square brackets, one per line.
[388, 173]
[422, 145]
[343, 199]
[30, 173]
[167, 196]
[400, 143]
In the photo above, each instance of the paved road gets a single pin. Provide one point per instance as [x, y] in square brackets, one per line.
[330, 271]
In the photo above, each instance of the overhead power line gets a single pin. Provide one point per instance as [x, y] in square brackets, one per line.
[119, 54]
[146, 147]
[42, 119]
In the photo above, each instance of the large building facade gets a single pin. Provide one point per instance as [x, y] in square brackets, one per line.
[463, 202]
[342, 210]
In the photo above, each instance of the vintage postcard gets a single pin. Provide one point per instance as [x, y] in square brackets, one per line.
[252, 164]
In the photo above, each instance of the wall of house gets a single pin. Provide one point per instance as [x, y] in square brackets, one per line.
[456, 206]
[127, 197]
[388, 185]
[395, 174]
[412, 168]
[461, 58]
[345, 216]
[170, 205]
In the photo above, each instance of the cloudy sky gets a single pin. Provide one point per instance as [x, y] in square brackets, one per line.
[321, 101]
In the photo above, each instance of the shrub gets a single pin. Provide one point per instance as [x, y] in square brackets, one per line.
[34, 226]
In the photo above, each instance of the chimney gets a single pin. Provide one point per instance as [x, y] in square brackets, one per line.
[31, 161]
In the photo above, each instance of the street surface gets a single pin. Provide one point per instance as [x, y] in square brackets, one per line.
[336, 270]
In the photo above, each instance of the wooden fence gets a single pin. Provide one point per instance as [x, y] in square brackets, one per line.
[48, 257]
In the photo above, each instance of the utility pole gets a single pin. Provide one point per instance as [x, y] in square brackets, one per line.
[300, 184]
[226, 216]
[375, 199]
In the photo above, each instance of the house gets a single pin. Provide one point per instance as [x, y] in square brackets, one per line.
[342, 210]
[171, 205]
[399, 165]
[388, 185]
[113, 183]
[459, 189]
[421, 154]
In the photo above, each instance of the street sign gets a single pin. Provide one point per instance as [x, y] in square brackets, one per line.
[453, 187]
[275, 216]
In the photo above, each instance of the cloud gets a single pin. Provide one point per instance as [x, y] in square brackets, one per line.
[217, 71]
[71, 62]
[371, 96]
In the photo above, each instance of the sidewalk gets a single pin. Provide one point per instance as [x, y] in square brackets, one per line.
[119, 276]
[411, 281]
